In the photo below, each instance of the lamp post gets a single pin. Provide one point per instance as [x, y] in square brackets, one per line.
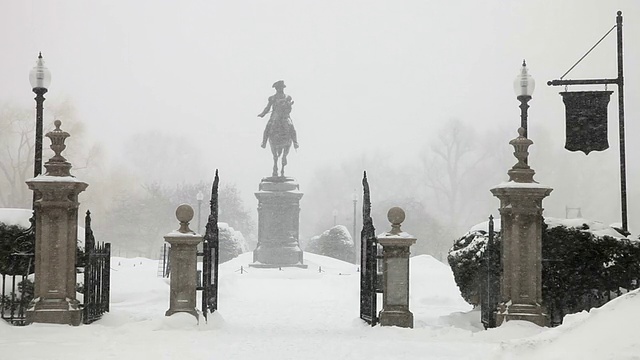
[199, 197]
[523, 86]
[40, 78]
[335, 216]
[356, 241]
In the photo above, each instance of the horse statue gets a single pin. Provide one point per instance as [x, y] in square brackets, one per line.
[279, 130]
[280, 140]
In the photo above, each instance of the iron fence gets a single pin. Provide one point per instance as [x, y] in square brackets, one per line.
[96, 275]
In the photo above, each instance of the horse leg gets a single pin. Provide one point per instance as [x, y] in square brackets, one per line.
[275, 161]
[284, 159]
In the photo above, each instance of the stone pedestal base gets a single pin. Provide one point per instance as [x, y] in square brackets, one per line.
[275, 256]
[396, 318]
[55, 311]
[182, 286]
[278, 223]
[531, 313]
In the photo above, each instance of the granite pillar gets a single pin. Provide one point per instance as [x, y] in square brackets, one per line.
[395, 250]
[183, 260]
[56, 211]
[521, 222]
[278, 223]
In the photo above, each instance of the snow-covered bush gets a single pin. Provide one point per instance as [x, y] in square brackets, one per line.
[232, 243]
[585, 264]
[335, 242]
[14, 238]
[467, 261]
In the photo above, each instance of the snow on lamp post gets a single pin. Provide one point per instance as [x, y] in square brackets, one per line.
[524, 85]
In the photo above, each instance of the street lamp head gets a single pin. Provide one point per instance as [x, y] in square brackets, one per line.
[200, 196]
[524, 84]
[39, 76]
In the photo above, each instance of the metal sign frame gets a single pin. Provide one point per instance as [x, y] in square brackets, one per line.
[619, 81]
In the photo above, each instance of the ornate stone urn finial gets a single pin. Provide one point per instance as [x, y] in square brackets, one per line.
[521, 172]
[58, 165]
[184, 214]
[396, 216]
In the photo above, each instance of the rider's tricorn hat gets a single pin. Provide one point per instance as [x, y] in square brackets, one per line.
[279, 84]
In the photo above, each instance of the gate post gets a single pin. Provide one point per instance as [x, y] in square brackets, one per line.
[56, 208]
[395, 250]
[521, 221]
[182, 283]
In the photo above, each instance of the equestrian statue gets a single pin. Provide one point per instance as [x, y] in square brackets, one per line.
[279, 129]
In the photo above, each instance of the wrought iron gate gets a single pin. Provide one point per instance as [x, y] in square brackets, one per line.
[97, 274]
[368, 261]
[16, 290]
[210, 256]
[490, 281]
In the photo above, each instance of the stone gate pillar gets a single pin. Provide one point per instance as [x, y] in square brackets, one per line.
[278, 223]
[395, 251]
[183, 260]
[56, 210]
[521, 221]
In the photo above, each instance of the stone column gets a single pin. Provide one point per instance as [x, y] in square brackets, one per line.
[56, 209]
[521, 221]
[182, 257]
[395, 250]
[278, 223]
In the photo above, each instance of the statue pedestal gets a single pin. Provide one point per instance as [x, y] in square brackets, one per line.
[278, 223]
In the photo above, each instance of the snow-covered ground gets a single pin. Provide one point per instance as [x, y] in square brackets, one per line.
[307, 314]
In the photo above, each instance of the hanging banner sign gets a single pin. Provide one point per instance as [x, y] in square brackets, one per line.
[586, 120]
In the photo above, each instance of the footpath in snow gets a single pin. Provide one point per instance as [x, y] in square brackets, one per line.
[307, 314]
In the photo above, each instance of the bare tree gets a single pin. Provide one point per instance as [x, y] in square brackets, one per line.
[17, 138]
[17, 130]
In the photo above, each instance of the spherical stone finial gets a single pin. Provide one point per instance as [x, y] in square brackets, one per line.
[57, 124]
[396, 216]
[184, 214]
[521, 131]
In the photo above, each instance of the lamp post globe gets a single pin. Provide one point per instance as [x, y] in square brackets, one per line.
[40, 78]
[523, 86]
[199, 197]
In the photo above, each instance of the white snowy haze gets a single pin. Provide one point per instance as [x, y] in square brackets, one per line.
[170, 90]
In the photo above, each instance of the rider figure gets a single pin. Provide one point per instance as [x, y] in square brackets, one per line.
[281, 104]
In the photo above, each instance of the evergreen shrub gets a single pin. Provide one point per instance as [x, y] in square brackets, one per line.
[580, 268]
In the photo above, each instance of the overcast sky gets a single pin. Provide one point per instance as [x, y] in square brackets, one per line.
[364, 75]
